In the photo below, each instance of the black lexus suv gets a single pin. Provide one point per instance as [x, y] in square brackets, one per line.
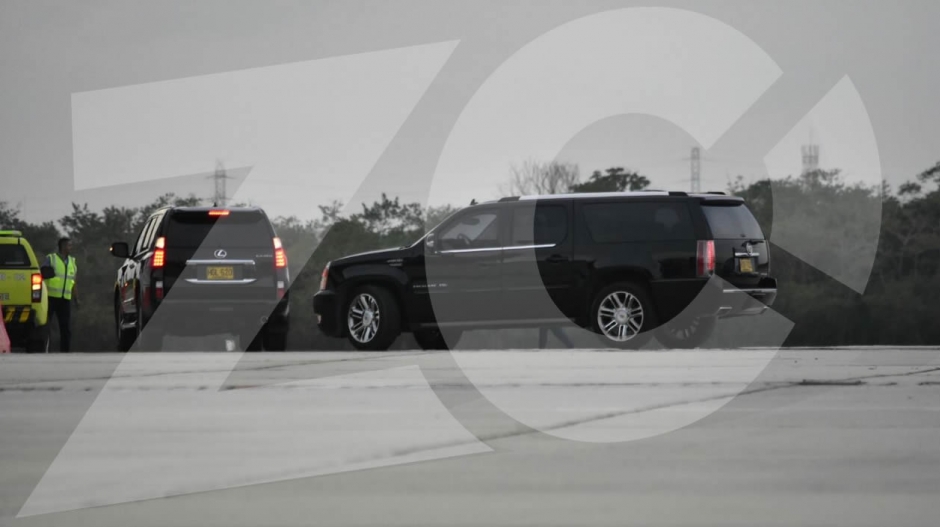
[209, 271]
[624, 265]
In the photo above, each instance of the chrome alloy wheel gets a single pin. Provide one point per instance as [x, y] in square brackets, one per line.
[620, 316]
[364, 318]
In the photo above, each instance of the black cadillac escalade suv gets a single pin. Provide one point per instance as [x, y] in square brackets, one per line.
[624, 265]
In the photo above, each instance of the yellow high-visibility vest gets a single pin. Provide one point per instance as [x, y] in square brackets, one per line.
[60, 286]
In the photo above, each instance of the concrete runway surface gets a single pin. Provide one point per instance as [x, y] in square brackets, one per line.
[847, 436]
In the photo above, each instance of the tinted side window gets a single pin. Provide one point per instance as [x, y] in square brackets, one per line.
[12, 256]
[734, 221]
[238, 229]
[638, 222]
[545, 224]
[142, 238]
[472, 231]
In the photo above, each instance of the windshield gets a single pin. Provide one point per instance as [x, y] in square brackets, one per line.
[238, 229]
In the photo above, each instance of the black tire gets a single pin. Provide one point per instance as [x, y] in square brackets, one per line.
[684, 333]
[435, 339]
[124, 337]
[151, 340]
[274, 339]
[38, 339]
[385, 313]
[635, 337]
[252, 342]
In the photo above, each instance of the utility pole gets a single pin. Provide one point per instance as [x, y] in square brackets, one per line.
[810, 158]
[696, 167]
[220, 198]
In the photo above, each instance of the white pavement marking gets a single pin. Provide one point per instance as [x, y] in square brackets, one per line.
[155, 431]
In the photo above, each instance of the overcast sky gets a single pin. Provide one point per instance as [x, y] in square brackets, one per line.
[52, 53]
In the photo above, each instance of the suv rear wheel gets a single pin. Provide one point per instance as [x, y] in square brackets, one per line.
[38, 341]
[125, 337]
[623, 315]
[373, 318]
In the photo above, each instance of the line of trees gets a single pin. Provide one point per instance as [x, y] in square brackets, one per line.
[899, 305]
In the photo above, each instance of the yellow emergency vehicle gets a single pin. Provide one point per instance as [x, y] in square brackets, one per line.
[23, 294]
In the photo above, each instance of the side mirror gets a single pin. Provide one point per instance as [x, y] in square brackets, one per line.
[120, 250]
[47, 272]
[430, 243]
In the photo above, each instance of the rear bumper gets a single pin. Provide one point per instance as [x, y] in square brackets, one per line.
[198, 317]
[20, 322]
[326, 307]
[747, 302]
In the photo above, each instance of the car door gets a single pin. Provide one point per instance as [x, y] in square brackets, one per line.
[538, 274]
[463, 269]
[128, 275]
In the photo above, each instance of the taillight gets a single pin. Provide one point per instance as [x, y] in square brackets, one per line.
[280, 257]
[324, 276]
[36, 280]
[159, 254]
[705, 258]
[158, 290]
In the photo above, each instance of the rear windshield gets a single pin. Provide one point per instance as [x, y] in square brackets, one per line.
[637, 222]
[731, 222]
[13, 256]
[238, 229]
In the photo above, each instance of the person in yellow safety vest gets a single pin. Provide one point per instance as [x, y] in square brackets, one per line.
[61, 290]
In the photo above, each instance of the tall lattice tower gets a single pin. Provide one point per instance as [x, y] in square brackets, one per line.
[810, 157]
[695, 162]
[220, 197]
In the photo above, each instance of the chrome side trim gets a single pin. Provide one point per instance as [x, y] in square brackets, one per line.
[751, 291]
[521, 247]
[220, 262]
[480, 250]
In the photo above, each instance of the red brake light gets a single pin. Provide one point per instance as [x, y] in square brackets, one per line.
[219, 212]
[324, 276]
[705, 258]
[159, 254]
[280, 257]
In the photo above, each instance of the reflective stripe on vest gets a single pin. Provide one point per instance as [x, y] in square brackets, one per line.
[60, 286]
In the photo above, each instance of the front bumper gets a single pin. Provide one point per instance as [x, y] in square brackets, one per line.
[326, 307]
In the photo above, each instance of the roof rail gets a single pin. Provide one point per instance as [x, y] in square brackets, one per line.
[678, 193]
[718, 192]
[508, 198]
[17, 234]
[589, 195]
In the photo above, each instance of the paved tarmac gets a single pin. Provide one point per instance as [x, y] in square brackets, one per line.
[585, 437]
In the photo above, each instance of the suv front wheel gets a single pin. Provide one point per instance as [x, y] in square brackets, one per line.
[373, 318]
[622, 314]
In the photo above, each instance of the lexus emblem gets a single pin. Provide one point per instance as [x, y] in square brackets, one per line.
[749, 247]
[220, 253]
